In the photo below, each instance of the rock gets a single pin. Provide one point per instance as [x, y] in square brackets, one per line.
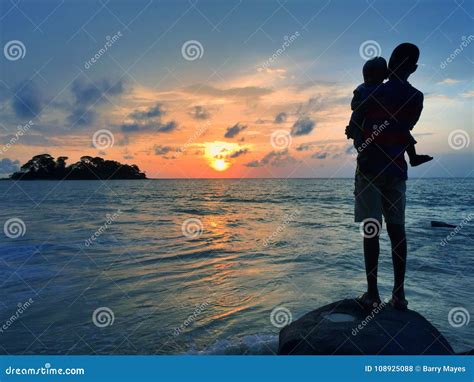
[435, 223]
[344, 327]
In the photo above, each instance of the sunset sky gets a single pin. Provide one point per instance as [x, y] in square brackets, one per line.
[232, 88]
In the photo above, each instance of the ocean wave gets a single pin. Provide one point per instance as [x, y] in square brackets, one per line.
[255, 344]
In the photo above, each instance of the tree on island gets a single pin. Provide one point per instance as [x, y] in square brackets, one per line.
[44, 167]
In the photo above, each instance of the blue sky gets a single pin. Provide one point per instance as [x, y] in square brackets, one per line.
[144, 68]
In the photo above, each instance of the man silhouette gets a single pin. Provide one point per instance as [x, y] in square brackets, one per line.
[380, 181]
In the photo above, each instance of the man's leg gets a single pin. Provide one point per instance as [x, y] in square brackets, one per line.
[394, 211]
[396, 232]
[368, 211]
[371, 257]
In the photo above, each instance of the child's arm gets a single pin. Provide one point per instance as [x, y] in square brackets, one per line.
[357, 100]
[356, 117]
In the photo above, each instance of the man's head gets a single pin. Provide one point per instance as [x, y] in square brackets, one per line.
[403, 60]
[375, 71]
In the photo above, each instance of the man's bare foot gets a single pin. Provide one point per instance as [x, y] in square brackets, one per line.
[369, 301]
[398, 300]
[420, 159]
[399, 303]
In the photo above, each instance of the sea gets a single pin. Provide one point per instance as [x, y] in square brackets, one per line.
[212, 266]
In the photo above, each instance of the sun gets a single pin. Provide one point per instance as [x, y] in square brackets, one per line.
[220, 165]
[217, 154]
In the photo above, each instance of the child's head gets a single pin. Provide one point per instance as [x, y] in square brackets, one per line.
[375, 71]
[403, 60]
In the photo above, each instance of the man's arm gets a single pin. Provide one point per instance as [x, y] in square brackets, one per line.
[415, 109]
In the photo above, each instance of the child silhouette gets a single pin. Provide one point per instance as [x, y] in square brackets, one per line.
[375, 71]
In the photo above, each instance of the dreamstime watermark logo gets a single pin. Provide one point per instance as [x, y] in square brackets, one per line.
[466, 40]
[287, 41]
[14, 228]
[14, 50]
[103, 139]
[21, 130]
[370, 228]
[21, 308]
[192, 228]
[200, 308]
[377, 309]
[281, 227]
[103, 317]
[45, 370]
[281, 139]
[197, 133]
[458, 139]
[370, 49]
[192, 50]
[109, 219]
[376, 130]
[458, 317]
[456, 230]
[280, 317]
[110, 41]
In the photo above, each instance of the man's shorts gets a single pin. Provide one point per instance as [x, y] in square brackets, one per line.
[379, 195]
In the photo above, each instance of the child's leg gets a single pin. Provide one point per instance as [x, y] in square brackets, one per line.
[415, 159]
[411, 151]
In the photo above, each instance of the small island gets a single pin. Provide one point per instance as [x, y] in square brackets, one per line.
[44, 167]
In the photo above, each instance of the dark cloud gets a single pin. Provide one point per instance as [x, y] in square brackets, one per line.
[304, 147]
[134, 127]
[88, 95]
[234, 130]
[153, 112]
[148, 120]
[238, 153]
[302, 126]
[281, 117]
[199, 112]
[331, 151]
[166, 127]
[157, 126]
[85, 93]
[162, 150]
[115, 89]
[28, 100]
[320, 155]
[254, 163]
[82, 116]
[8, 166]
[274, 158]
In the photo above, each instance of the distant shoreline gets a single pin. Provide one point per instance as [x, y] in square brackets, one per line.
[46, 167]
